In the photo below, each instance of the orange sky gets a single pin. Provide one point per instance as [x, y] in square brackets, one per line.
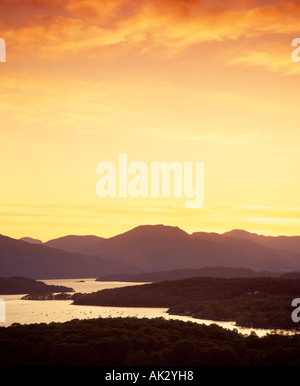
[160, 80]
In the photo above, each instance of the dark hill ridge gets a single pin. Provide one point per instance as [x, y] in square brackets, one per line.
[74, 243]
[19, 258]
[161, 248]
[173, 292]
[261, 302]
[291, 243]
[177, 274]
[20, 285]
[143, 237]
[31, 240]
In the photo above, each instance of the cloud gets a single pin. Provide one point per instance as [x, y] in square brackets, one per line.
[104, 13]
[63, 28]
[184, 21]
[275, 60]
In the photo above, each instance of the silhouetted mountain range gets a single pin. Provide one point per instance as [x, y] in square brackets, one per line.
[20, 258]
[148, 248]
[161, 248]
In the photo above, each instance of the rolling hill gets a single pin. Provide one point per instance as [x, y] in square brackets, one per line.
[21, 285]
[74, 243]
[177, 274]
[31, 240]
[291, 243]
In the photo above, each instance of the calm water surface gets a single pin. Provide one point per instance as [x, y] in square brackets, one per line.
[35, 311]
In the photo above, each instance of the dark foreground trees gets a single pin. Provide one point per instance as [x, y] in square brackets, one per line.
[142, 342]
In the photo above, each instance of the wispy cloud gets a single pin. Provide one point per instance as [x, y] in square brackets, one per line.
[276, 59]
[76, 27]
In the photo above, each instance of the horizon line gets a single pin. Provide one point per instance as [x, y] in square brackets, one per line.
[154, 225]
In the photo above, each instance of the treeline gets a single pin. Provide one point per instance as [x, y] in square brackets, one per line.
[141, 342]
[47, 296]
[251, 302]
[256, 311]
[20, 285]
[169, 293]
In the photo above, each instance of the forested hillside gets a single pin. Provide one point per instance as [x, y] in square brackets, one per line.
[251, 302]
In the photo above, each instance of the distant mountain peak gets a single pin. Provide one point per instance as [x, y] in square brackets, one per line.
[31, 240]
[73, 243]
[240, 233]
[158, 228]
[157, 231]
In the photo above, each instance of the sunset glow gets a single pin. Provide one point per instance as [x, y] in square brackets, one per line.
[159, 80]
